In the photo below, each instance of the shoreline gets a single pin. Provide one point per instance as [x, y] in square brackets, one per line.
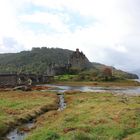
[129, 83]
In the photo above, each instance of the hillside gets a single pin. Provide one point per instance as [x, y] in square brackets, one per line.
[116, 72]
[137, 72]
[38, 59]
[34, 61]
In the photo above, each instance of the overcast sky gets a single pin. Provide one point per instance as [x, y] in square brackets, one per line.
[107, 31]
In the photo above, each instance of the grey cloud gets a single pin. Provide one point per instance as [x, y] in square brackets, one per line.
[10, 45]
[9, 42]
[127, 61]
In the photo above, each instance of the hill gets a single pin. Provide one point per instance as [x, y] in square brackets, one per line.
[34, 61]
[137, 72]
[38, 59]
[116, 72]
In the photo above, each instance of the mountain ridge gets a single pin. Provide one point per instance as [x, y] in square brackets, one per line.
[37, 61]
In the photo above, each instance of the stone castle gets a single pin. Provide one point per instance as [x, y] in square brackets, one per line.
[77, 60]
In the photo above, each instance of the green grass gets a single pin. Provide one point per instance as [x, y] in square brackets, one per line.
[91, 116]
[17, 104]
[66, 77]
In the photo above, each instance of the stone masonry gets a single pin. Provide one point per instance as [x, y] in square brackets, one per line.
[79, 60]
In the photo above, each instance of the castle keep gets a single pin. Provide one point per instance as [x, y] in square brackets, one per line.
[79, 60]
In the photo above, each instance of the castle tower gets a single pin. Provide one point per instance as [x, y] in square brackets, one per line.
[79, 60]
[77, 50]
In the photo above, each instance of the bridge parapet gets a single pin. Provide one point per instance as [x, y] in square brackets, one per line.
[23, 79]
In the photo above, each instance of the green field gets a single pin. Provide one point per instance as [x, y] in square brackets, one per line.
[91, 116]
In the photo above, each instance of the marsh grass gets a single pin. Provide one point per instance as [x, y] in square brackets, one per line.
[17, 107]
[92, 116]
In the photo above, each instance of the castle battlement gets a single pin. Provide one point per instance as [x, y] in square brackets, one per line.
[79, 60]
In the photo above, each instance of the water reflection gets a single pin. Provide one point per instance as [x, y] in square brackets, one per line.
[124, 90]
[20, 134]
[15, 135]
[62, 104]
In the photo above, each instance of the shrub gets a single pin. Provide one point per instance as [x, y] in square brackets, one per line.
[82, 136]
[52, 136]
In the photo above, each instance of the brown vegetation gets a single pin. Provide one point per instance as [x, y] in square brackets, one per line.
[18, 107]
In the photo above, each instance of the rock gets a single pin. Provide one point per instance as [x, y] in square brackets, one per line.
[23, 88]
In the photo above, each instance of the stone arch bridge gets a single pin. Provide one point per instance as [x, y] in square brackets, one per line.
[23, 79]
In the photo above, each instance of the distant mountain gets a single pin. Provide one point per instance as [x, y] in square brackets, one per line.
[38, 59]
[137, 72]
[116, 72]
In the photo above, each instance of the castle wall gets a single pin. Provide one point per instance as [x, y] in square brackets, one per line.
[77, 61]
[8, 79]
[23, 79]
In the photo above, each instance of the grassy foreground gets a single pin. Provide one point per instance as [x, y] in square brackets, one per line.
[17, 107]
[91, 116]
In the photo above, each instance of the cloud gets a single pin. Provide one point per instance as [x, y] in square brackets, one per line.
[9, 45]
[106, 31]
[44, 18]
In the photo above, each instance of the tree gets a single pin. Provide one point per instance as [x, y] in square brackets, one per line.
[107, 73]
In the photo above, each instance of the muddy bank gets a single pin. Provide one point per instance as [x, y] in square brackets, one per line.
[24, 88]
[28, 117]
[123, 83]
